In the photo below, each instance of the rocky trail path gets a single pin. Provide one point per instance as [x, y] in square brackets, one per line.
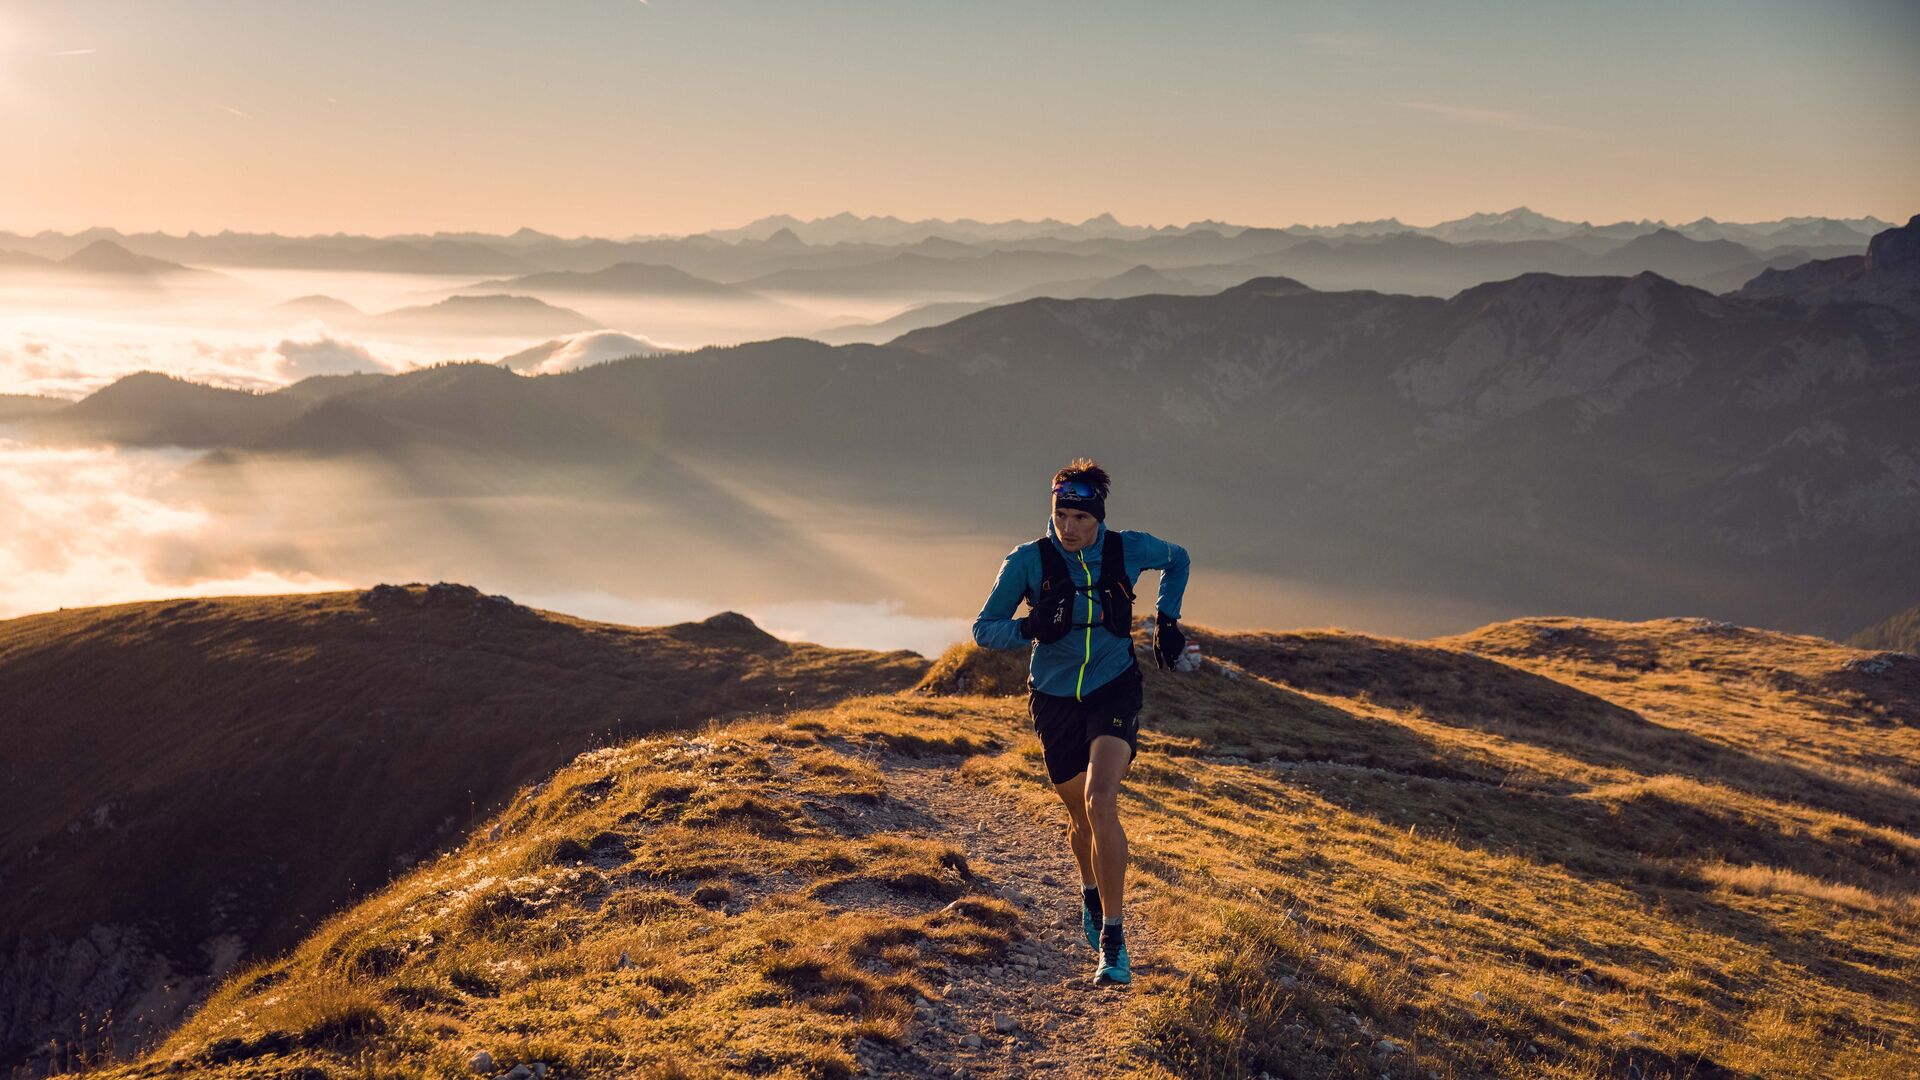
[1037, 1013]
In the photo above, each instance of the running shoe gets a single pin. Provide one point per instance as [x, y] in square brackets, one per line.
[1115, 969]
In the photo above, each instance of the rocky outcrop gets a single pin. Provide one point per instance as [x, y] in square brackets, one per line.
[66, 1000]
[1896, 251]
[1888, 274]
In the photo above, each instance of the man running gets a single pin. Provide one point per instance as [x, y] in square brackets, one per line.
[1083, 684]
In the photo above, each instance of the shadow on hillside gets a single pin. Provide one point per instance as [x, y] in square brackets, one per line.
[364, 731]
[1637, 849]
[1264, 721]
[1633, 839]
[1463, 690]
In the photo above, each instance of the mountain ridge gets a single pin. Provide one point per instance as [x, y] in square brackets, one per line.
[355, 732]
[1550, 843]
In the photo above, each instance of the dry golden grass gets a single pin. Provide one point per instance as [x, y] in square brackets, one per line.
[966, 668]
[1665, 853]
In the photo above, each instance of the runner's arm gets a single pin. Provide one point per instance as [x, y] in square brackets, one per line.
[1145, 551]
[996, 627]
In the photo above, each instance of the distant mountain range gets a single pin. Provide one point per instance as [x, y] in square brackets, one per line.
[459, 314]
[1610, 444]
[97, 258]
[774, 250]
[497, 313]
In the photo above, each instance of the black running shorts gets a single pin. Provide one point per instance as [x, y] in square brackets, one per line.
[1067, 727]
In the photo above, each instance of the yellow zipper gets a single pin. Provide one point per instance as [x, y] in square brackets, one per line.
[1088, 654]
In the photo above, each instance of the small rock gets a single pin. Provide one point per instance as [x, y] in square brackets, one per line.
[1003, 1023]
[539, 1069]
[519, 1072]
[1878, 663]
[1634, 1036]
[974, 1042]
[1480, 997]
[481, 1062]
[922, 1002]
[1388, 1046]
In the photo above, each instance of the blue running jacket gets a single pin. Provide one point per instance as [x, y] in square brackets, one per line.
[1085, 659]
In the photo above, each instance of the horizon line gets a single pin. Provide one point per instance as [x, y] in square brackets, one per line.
[1197, 222]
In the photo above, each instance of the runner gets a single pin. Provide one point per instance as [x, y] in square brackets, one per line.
[1084, 685]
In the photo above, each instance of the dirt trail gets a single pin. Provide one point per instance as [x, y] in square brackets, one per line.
[1045, 986]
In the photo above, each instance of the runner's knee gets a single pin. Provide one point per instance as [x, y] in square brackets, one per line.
[1102, 804]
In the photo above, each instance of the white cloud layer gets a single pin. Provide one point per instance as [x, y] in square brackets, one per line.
[594, 347]
[880, 625]
[72, 356]
[317, 352]
[92, 526]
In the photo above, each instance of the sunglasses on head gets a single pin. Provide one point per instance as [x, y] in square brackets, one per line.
[1076, 489]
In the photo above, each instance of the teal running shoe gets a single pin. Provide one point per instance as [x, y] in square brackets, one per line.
[1090, 925]
[1115, 969]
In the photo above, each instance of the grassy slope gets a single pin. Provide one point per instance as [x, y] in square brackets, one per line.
[283, 752]
[1542, 849]
[1899, 632]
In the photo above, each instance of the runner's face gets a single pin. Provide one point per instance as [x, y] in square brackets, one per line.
[1075, 528]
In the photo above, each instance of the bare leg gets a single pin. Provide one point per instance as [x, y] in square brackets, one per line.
[1111, 760]
[1079, 831]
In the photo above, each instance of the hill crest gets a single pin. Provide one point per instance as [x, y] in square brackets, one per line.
[1605, 848]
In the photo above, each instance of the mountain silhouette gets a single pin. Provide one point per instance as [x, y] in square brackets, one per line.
[107, 257]
[1139, 281]
[148, 408]
[412, 256]
[1610, 444]
[625, 279]
[321, 307]
[1887, 275]
[26, 406]
[911, 273]
[1672, 255]
[496, 314]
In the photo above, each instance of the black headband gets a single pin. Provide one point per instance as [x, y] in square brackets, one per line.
[1078, 495]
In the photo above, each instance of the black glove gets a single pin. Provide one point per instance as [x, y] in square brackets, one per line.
[1168, 641]
[1049, 620]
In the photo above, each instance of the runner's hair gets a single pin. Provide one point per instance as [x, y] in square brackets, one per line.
[1085, 469]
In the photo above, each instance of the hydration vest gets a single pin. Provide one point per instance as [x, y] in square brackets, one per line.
[1112, 590]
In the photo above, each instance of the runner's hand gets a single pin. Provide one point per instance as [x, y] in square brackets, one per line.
[1049, 620]
[1168, 642]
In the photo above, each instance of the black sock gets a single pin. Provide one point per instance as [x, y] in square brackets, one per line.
[1111, 937]
[1092, 894]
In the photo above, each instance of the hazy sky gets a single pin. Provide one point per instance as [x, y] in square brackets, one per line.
[622, 116]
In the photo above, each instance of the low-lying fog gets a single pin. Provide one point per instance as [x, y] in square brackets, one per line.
[98, 525]
[259, 329]
[101, 525]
